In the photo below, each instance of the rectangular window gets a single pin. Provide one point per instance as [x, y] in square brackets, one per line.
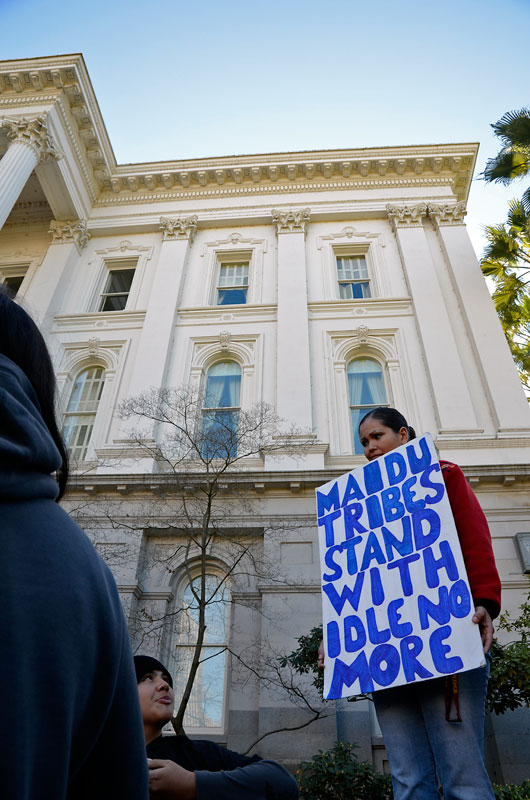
[232, 286]
[117, 288]
[354, 281]
[13, 283]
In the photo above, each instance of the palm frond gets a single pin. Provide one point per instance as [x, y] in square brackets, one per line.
[525, 202]
[514, 128]
[518, 216]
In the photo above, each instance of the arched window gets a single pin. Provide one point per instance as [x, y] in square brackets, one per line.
[206, 704]
[81, 412]
[221, 410]
[366, 389]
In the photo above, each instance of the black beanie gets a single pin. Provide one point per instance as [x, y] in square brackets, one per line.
[143, 665]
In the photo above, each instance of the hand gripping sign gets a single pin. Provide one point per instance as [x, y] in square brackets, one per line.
[396, 603]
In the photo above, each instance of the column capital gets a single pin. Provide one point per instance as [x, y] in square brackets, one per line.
[67, 231]
[406, 216]
[447, 214]
[291, 221]
[179, 228]
[32, 132]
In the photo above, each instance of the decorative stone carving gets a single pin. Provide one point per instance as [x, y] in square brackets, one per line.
[291, 221]
[224, 340]
[406, 216]
[93, 346]
[362, 334]
[66, 231]
[180, 228]
[447, 214]
[33, 132]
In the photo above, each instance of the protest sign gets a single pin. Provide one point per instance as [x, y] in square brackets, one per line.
[396, 602]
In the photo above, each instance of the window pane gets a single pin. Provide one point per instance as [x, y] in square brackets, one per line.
[233, 275]
[352, 268]
[219, 425]
[226, 297]
[115, 302]
[219, 434]
[117, 288]
[119, 280]
[366, 389]
[233, 284]
[81, 411]
[205, 708]
[13, 283]
[354, 291]
[223, 385]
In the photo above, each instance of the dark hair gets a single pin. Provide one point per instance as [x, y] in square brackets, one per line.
[392, 418]
[22, 342]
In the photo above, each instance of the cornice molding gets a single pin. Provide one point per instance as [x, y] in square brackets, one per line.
[179, 228]
[33, 132]
[210, 190]
[68, 231]
[63, 82]
[406, 216]
[447, 214]
[291, 221]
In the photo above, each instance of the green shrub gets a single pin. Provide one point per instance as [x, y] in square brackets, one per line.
[337, 774]
[512, 791]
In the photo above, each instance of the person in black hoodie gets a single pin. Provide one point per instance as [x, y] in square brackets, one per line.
[184, 769]
[71, 721]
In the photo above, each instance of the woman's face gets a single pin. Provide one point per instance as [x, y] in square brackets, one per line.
[377, 439]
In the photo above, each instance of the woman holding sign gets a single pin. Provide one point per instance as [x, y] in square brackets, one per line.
[423, 741]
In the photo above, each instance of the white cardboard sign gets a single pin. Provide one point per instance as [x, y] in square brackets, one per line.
[396, 603]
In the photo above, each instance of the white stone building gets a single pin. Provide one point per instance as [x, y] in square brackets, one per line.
[319, 282]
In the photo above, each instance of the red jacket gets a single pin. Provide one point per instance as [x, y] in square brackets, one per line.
[475, 540]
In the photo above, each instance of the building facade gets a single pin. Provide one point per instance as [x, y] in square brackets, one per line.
[320, 283]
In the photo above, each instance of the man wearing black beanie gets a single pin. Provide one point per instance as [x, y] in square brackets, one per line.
[184, 769]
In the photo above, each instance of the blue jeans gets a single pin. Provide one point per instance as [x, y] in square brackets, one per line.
[423, 746]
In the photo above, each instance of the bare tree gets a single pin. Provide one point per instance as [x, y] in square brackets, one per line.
[201, 458]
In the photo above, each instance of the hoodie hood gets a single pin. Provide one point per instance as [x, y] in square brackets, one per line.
[28, 454]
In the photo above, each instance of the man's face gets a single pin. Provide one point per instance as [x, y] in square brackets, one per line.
[156, 698]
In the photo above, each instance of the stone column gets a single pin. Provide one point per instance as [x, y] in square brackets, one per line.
[48, 287]
[157, 335]
[501, 382]
[293, 375]
[449, 387]
[29, 144]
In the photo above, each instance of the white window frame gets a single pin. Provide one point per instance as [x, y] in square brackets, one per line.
[245, 349]
[193, 574]
[365, 280]
[212, 409]
[233, 250]
[16, 271]
[384, 376]
[94, 414]
[385, 346]
[115, 265]
[352, 242]
[112, 269]
[231, 260]
[123, 256]
[80, 355]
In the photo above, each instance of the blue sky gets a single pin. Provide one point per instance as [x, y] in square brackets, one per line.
[205, 78]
